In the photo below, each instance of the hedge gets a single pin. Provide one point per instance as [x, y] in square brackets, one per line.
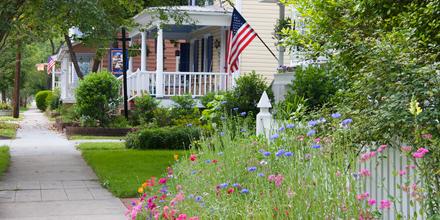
[40, 99]
[162, 138]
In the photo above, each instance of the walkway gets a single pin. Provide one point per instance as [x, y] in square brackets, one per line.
[48, 179]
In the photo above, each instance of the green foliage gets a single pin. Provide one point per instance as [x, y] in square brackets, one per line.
[4, 159]
[247, 93]
[40, 99]
[293, 108]
[314, 83]
[184, 104]
[5, 106]
[56, 100]
[68, 113]
[97, 97]
[162, 138]
[145, 107]
[49, 99]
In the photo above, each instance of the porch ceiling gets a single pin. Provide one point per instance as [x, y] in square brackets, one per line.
[197, 16]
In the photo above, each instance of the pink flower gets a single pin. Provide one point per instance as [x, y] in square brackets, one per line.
[422, 150]
[194, 218]
[362, 196]
[193, 157]
[372, 154]
[382, 148]
[317, 140]
[278, 179]
[162, 180]
[420, 153]
[371, 202]
[385, 204]
[365, 172]
[406, 148]
[338, 173]
[402, 172]
[426, 136]
[181, 217]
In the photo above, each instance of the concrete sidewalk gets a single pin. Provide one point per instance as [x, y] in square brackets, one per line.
[48, 179]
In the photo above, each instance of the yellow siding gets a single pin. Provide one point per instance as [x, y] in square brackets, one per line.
[215, 32]
[262, 17]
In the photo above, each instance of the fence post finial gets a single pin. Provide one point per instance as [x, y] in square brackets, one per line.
[264, 118]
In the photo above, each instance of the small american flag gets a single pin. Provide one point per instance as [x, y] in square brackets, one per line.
[50, 64]
[240, 36]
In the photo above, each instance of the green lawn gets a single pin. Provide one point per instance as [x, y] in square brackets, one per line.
[4, 159]
[86, 137]
[10, 118]
[122, 170]
[8, 130]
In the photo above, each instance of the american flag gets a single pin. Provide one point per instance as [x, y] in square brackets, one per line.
[240, 36]
[50, 64]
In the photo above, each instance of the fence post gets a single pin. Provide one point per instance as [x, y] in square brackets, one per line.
[264, 117]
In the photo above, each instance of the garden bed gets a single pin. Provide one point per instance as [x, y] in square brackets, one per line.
[8, 130]
[97, 131]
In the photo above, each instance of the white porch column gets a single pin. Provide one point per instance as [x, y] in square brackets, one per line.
[130, 59]
[159, 64]
[64, 77]
[143, 51]
[53, 78]
[280, 47]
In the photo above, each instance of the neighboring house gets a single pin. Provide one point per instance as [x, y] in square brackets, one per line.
[193, 60]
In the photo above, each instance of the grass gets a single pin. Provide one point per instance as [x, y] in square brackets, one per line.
[122, 170]
[4, 159]
[10, 118]
[8, 130]
[87, 137]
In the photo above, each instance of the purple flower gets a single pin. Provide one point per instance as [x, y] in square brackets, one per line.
[290, 126]
[244, 191]
[222, 133]
[261, 174]
[316, 146]
[164, 189]
[311, 133]
[322, 120]
[235, 109]
[189, 125]
[312, 123]
[243, 130]
[243, 114]
[252, 169]
[223, 185]
[274, 136]
[282, 128]
[223, 102]
[346, 122]
[266, 154]
[193, 172]
[198, 198]
[280, 153]
[288, 154]
[336, 115]
[235, 185]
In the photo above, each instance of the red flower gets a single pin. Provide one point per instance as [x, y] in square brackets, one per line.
[230, 190]
[193, 157]
[214, 161]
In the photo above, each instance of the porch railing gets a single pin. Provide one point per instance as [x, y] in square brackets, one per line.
[177, 83]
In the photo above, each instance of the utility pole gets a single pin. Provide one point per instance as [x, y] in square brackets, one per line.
[16, 97]
[124, 40]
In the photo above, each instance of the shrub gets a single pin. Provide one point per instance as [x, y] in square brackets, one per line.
[144, 108]
[247, 93]
[4, 106]
[97, 97]
[55, 100]
[162, 138]
[184, 111]
[40, 99]
[314, 83]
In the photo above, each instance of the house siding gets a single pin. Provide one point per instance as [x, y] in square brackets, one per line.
[262, 17]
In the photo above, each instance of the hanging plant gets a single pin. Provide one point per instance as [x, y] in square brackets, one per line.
[135, 50]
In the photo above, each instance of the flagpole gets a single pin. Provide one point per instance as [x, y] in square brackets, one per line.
[276, 58]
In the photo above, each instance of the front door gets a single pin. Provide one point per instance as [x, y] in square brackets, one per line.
[184, 57]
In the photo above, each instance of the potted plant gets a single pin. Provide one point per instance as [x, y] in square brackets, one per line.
[5, 109]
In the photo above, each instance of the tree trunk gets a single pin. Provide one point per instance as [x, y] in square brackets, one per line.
[52, 45]
[73, 57]
[96, 63]
[17, 82]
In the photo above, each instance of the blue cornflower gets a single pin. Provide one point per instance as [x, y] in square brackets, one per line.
[261, 174]
[322, 120]
[243, 130]
[191, 196]
[164, 189]
[290, 126]
[266, 154]
[207, 161]
[288, 154]
[189, 125]
[243, 114]
[193, 172]
[336, 115]
[261, 151]
[198, 198]
[223, 102]
[274, 136]
[244, 191]
[252, 169]
[280, 153]
[312, 123]
[282, 128]
[222, 133]
[346, 122]
[235, 109]
[220, 153]
[223, 185]
[311, 133]
[235, 185]
[316, 146]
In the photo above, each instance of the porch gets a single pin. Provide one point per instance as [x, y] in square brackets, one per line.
[196, 67]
